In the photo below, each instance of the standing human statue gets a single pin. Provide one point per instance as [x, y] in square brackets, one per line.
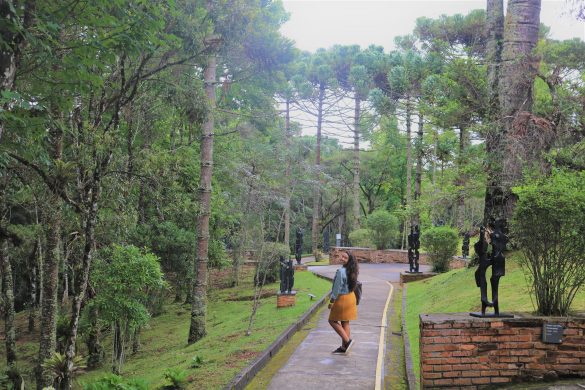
[411, 249]
[290, 276]
[416, 241]
[481, 247]
[465, 246]
[299, 245]
[287, 275]
[499, 240]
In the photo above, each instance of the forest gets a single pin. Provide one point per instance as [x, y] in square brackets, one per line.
[145, 143]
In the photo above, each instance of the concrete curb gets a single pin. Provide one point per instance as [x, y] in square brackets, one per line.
[245, 376]
[411, 378]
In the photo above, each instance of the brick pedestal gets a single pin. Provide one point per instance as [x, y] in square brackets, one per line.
[462, 352]
[300, 267]
[286, 300]
[406, 277]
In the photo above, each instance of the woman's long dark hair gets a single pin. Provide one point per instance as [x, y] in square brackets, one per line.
[352, 270]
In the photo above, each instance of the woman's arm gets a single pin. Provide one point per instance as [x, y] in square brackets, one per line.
[336, 286]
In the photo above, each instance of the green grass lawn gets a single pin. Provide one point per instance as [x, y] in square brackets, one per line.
[455, 291]
[225, 350]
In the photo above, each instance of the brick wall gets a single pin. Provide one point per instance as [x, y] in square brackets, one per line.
[460, 351]
[408, 278]
[367, 255]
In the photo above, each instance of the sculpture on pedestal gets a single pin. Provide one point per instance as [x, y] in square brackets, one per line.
[480, 280]
[413, 247]
[287, 275]
[299, 245]
[465, 246]
[498, 240]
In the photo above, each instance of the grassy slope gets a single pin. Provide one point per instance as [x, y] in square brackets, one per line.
[225, 351]
[455, 291]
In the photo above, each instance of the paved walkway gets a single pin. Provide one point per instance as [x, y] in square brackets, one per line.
[312, 366]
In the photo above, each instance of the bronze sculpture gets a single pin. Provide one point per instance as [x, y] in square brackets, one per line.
[413, 247]
[480, 280]
[299, 245]
[497, 260]
[465, 246]
[287, 275]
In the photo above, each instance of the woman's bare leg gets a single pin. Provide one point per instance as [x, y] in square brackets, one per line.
[345, 326]
[339, 330]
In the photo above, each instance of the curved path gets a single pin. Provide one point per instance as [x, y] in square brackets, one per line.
[312, 366]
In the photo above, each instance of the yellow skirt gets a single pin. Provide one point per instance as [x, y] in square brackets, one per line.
[344, 308]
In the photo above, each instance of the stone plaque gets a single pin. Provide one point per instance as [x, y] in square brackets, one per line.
[552, 333]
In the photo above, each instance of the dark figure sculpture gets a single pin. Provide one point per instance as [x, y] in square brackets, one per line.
[287, 276]
[299, 245]
[413, 247]
[499, 240]
[465, 246]
[481, 251]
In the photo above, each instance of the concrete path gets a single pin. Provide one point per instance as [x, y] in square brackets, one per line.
[312, 366]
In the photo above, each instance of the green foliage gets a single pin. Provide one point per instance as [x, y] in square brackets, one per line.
[57, 366]
[124, 277]
[177, 377]
[384, 228]
[361, 238]
[441, 245]
[549, 227]
[116, 382]
[269, 265]
[197, 361]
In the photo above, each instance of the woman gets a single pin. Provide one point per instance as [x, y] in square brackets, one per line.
[342, 303]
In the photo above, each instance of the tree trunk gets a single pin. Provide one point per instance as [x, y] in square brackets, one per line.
[317, 187]
[136, 341]
[419, 163]
[461, 181]
[197, 328]
[356, 163]
[90, 223]
[12, 42]
[408, 159]
[287, 175]
[8, 298]
[493, 141]
[515, 85]
[94, 349]
[118, 349]
[50, 286]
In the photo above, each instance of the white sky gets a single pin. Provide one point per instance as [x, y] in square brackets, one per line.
[317, 24]
[322, 23]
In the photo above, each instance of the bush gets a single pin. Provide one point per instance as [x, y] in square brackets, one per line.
[549, 227]
[361, 238]
[269, 265]
[441, 245]
[115, 382]
[384, 227]
[177, 377]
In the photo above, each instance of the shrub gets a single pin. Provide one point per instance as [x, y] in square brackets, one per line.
[384, 228]
[361, 238]
[549, 227]
[441, 245]
[116, 382]
[269, 265]
[177, 377]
